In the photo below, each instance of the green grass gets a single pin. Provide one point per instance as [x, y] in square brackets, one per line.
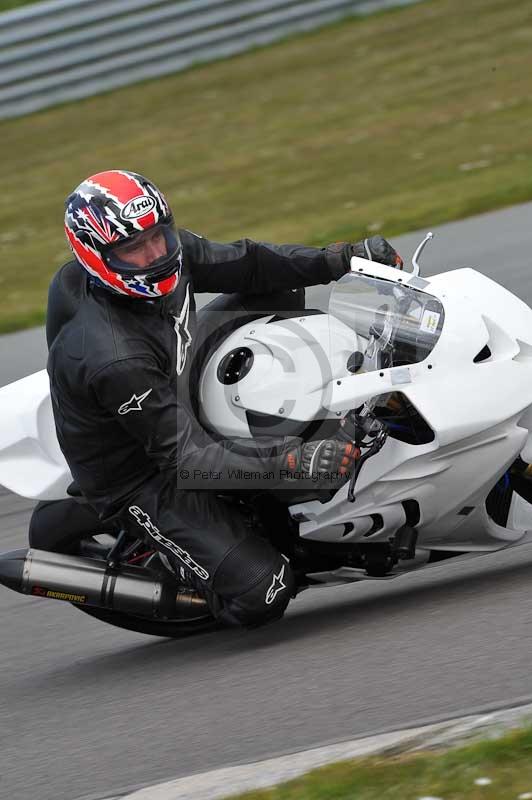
[363, 126]
[450, 776]
[7, 5]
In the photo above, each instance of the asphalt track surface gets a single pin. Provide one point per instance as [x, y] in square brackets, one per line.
[89, 711]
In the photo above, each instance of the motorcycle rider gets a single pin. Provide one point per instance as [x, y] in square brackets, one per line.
[124, 347]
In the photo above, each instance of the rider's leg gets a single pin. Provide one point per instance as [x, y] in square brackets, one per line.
[58, 525]
[244, 579]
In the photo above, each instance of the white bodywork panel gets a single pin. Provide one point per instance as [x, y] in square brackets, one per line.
[31, 462]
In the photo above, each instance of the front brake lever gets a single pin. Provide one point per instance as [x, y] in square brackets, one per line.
[376, 445]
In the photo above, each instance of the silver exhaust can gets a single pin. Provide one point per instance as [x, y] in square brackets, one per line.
[90, 581]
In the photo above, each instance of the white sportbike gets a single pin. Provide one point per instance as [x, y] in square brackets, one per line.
[436, 374]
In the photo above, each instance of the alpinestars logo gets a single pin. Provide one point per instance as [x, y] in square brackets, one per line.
[182, 333]
[276, 586]
[134, 403]
[145, 522]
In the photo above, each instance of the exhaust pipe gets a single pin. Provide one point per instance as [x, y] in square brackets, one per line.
[91, 582]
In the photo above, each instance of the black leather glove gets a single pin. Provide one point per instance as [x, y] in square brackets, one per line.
[349, 430]
[326, 463]
[375, 249]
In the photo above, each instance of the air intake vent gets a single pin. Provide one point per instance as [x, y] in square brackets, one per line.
[484, 354]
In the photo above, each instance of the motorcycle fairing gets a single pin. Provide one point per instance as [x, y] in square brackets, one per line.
[457, 396]
[478, 409]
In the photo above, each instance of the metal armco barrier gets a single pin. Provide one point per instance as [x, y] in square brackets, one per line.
[64, 50]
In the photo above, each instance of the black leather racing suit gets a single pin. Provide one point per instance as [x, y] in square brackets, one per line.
[120, 375]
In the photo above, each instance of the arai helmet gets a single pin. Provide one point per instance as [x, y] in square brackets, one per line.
[110, 209]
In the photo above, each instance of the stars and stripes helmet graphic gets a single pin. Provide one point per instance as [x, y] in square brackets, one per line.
[114, 213]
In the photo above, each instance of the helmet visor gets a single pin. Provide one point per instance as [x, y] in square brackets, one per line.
[155, 253]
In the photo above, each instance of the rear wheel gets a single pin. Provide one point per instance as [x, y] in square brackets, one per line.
[170, 628]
